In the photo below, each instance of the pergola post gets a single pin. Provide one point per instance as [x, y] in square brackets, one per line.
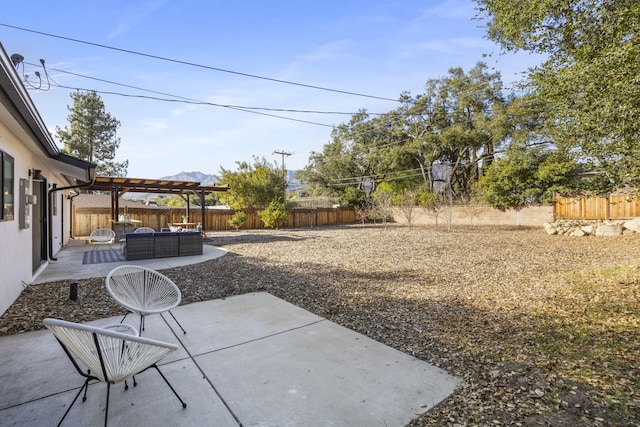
[203, 210]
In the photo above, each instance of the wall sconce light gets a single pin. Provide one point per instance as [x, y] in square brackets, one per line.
[35, 174]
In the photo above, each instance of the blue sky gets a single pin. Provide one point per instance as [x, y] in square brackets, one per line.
[377, 48]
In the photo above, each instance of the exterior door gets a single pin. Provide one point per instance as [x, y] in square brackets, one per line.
[39, 224]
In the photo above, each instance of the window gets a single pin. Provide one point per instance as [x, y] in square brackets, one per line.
[7, 184]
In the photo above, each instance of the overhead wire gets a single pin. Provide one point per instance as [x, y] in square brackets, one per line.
[52, 82]
[341, 182]
[192, 100]
[376, 175]
[178, 98]
[235, 107]
[199, 102]
[358, 180]
[193, 64]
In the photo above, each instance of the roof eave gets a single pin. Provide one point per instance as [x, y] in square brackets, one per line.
[21, 107]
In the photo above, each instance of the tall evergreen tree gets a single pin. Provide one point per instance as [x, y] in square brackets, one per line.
[91, 134]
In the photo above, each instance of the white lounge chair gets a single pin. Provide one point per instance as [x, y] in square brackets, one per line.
[110, 356]
[102, 235]
[144, 230]
[143, 291]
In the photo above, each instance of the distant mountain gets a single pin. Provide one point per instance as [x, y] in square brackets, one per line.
[292, 183]
[200, 177]
[205, 179]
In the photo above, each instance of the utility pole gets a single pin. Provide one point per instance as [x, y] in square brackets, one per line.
[284, 171]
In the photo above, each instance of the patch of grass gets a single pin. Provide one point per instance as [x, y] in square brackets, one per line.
[596, 339]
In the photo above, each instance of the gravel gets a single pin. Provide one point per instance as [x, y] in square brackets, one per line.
[542, 329]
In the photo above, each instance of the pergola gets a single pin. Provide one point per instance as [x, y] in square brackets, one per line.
[118, 186]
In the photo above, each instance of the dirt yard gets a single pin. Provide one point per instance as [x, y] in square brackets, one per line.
[543, 330]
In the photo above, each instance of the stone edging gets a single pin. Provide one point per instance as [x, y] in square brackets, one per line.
[580, 228]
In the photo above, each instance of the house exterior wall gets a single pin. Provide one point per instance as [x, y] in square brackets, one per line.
[16, 260]
[25, 138]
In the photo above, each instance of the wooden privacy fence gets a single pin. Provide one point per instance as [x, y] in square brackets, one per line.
[88, 219]
[611, 207]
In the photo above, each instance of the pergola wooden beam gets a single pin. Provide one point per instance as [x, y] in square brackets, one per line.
[119, 186]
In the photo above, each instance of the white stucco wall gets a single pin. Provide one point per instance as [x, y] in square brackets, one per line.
[16, 261]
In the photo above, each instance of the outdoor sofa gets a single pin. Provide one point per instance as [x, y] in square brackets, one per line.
[162, 244]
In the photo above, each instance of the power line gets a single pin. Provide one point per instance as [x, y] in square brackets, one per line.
[193, 64]
[52, 82]
[193, 102]
[358, 180]
[353, 180]
[189, 100]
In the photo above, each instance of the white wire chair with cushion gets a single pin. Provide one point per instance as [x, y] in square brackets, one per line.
[143, 291]
[102, 235]
[110, 357]
[144, 230]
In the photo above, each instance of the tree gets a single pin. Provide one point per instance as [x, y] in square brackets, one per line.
[589, 83]
[358, 200]
[419, 129]
[91, 134]
[474, 108]
[436, 205]
[210, 199]
[359, 155]
[406, 202]
[458, 122]
[173, 200]
[252, 186]
[353, 197]
[526, 176]
[382, 202]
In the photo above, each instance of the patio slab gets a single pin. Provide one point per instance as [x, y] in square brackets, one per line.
[246, 360]
[68, 263]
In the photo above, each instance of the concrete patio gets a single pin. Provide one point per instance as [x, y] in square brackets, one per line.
[248, 360]
[69, 262]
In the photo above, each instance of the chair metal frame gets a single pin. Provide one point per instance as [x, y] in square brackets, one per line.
[110, 356]
[143, 291]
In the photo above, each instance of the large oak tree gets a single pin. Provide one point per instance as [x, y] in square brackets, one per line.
[589, 86]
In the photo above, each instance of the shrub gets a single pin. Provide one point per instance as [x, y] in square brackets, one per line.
[274, 215]
[238, 219]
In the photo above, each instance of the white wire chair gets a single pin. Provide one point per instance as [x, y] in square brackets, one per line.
[102, 235]
[144, 230]
[143, 291]
[110, 356]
